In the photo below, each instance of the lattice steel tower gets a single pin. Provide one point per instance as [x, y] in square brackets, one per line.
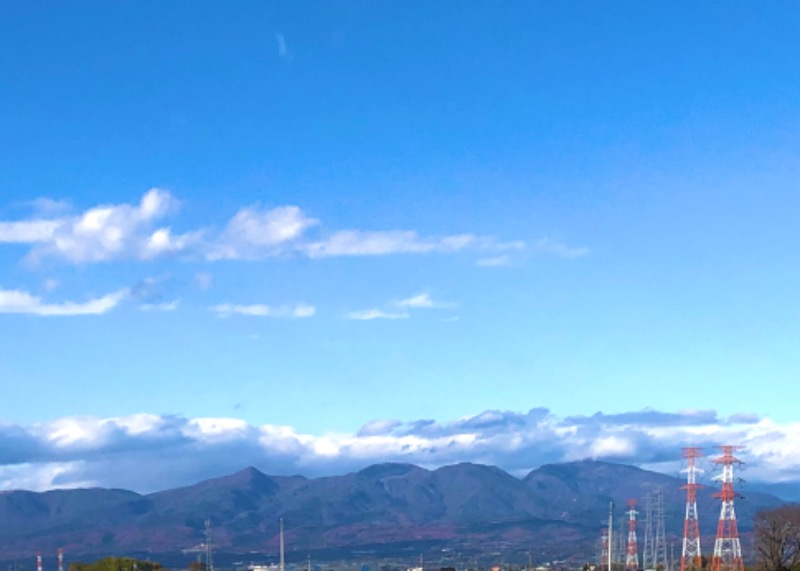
[631, 556]
[621, 541]
[209, 549]
[655, 541]
[648, 553]
[691, 556]
[727, 548]
[604, 550]
[660, 547]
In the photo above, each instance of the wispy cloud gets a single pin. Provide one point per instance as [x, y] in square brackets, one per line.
[101, 451]
[423, 301]
[162, 306]
[261, 310]
[559, 249]
[375, 313]
[203, 280]
[378, 243]
[495, 261]
[283, 50]
[401, 308]
[27, 231]
[18, 301]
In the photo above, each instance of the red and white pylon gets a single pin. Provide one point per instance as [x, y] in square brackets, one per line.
[691, 557]
[727, 548]
[632, 556]
[604, 549]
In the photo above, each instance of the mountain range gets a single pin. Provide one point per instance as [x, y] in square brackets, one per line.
[385, 510]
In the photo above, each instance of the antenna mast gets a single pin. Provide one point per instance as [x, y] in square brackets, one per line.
[283, 562]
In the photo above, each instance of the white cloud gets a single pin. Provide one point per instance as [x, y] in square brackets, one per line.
[423, 301]
[254, 233]
[17, 301]
[108, 232]
[260, 310]
[136, 232]
[27, 231]
[419, 301]
[370, 314]
[163, 241]
[101, 451]
[381, 243]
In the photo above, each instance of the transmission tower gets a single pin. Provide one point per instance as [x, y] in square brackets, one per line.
[727, 548]
[691, 556]
[621, 547]
[631, 556]
[604, 549]
[610, 537]
[648, 553]
[660, 543]
[209, 553]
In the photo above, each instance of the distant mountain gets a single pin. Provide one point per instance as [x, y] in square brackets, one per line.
[386, 509]
[789, 491]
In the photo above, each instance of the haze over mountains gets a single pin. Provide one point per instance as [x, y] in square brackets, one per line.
[385, 509]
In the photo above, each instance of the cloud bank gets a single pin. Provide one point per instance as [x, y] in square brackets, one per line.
[87, 451]
[138, 231]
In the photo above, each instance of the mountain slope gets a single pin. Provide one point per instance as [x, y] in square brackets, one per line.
[555, 509]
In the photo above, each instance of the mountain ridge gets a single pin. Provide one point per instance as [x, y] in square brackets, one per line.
[387, 507]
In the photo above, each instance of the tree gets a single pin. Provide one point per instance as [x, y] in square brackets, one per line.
[777, 534]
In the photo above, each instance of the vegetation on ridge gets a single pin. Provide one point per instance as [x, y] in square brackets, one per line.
[117, 564]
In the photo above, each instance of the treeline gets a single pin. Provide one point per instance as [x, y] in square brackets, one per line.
[117, 564]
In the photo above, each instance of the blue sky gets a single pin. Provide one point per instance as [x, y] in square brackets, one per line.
[316, 217]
